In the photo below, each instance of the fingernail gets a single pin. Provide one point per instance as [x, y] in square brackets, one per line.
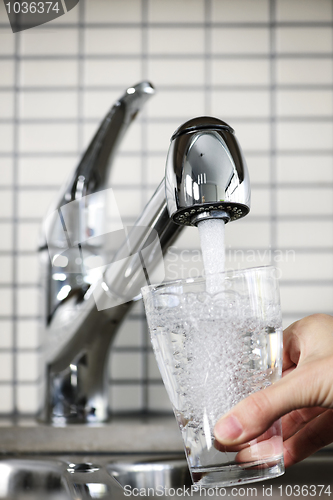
[228, 429]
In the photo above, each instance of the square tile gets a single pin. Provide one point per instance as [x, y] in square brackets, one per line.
[304, 168]
[28, 269]
[6, 367]
[104, 11]
[125, 398]
[175, 72]
[305, 71]
[28, 398]
[176, 40]
[28, 236]
[158, 399]
[304, 103]
[306, 266]
[47, 171]
[249, 104]
[122, 73]
[303, 10]
[28, 301]
[125, 366]
[35, 203]
[7, 104]
[48, 73]
[47, 42]
[305, 201]
[306, 299]
[305, 234]
[6, 171]
[27, 366]
[7, 72]
[7, 45]
[243, 11]
[112, 41]
[46, 138]
[6, 269]
[129, 334]
[240, 40]
[6, 398]
[305, 136]
[6, 236]
[6, 138]
[6, 206]
[303, 40]
[173, 11]
[240, 72]
[28, 334]
[48, 105]
[6, 337]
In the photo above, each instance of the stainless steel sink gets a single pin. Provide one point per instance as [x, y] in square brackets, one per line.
[104, 476]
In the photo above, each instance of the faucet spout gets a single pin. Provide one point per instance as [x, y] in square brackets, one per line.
[92, 272]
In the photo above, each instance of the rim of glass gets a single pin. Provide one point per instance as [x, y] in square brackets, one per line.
[229, 273]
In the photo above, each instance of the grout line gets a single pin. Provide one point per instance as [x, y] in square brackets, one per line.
[273, 139]
[17, 37]
[175, 56]
[80, 76]
[144, 395]
[208, 58]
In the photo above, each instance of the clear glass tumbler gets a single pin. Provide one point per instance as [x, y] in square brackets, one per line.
[216, 341]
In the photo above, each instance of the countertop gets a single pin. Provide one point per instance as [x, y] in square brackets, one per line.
[119, 436]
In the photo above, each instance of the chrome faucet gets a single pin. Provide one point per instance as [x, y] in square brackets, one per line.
[93, 267]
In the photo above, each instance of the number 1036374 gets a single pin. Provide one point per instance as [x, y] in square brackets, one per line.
[32, 7]
[313, 490]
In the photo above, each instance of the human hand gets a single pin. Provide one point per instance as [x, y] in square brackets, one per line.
[303, 397]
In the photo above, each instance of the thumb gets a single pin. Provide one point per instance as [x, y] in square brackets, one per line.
[255, 414]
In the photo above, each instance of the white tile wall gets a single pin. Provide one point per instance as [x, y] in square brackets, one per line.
[265, 66]
[228, 40]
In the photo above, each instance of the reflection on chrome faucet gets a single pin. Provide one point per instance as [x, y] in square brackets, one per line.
[93, 267]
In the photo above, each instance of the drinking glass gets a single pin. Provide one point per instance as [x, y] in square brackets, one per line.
[217, 340]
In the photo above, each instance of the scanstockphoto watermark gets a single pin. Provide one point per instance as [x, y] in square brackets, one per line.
[27, 14]
[187, 263]
[264, 491]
